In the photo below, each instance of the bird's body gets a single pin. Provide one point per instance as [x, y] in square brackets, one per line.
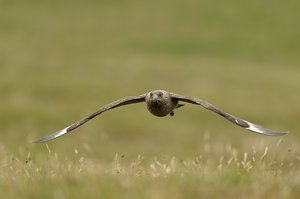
[162, 103]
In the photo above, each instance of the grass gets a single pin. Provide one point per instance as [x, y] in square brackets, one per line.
[60, 61]
[259, 173]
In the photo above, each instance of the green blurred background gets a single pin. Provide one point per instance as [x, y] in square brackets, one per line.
[62, 60]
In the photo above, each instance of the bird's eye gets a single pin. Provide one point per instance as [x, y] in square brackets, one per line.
[151, 94]
[160, 94]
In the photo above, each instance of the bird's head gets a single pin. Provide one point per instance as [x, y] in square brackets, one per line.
[157, 97]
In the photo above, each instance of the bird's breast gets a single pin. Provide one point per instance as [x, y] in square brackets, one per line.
[160, 108]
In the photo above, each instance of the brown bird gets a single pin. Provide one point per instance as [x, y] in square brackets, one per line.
[161, 103]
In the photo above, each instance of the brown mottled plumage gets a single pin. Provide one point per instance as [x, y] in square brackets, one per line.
[161, 103]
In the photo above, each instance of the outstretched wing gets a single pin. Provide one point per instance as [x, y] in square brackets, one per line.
[120, 102]
[238, 121]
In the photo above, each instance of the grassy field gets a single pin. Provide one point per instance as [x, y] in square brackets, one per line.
[61, 60]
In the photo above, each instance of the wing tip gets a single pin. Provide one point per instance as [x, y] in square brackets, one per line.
[51, 136]
[262, 130]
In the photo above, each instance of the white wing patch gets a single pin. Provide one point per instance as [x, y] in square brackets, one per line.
[254, 127]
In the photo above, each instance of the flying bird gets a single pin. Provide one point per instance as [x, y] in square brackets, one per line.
[162, 103]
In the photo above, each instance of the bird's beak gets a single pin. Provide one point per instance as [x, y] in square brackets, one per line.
[155, 98]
